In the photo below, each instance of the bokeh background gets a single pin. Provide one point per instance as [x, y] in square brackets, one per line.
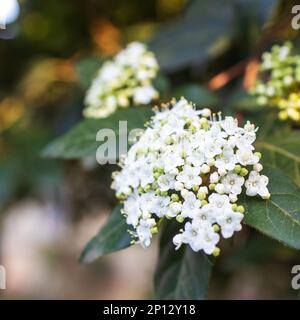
[49, 209]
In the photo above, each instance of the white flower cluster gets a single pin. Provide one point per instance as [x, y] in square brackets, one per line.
[124, 80]
[190, 166]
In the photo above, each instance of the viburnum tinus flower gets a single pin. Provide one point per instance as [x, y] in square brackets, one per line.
[192, 166]
[123, 81]
[279, 81]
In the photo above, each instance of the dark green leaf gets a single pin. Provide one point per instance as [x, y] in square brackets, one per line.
[181, 274]
[184, 41]
[86, 70]
[162, 84]
[81, 141]
[197, 94]
[278, 217]
[282, 150]
[252, 16]
[112, 237]
[242, 101]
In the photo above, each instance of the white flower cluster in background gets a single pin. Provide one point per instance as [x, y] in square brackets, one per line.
[190, 166]
[125, 80]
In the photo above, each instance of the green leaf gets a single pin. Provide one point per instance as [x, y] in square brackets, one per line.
[197, 94]
[162, 85]
[282, 150]
[112, 237]
[86, 70]
[242, 101]
[183, 42]
[278, 217]
[181, 274]
[81, 141]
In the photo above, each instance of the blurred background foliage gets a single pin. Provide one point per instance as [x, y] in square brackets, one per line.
[208, 50]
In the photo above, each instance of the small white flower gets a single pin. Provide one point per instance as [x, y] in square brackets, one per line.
[257, 184]
[205, 168]
[229, 222]
[205, 112]
[257, 167]
[196, 158]
[189, 176]
[178, 186]
[246, 157]
[177, 240]
[227, 160]
[192, 237]
[222, 172]
[219, 202]
[203, 189]
[233, 197]
[213, 148]
[233, 183]
[210, 239]
[144, 95]
[166, 182]
[144, 231]
[132, 210]
[160, 205]
[175, 208]
[190, 206]
[230, 125]
[214, 177]
[220, 188]
[206, 215]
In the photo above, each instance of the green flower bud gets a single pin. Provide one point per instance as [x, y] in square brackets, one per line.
[175, 197]
[234, 207]
[201, 195]
[237, 169]
[180, 218]
[258, 154]
[147, 188]
[140, 189]
[216, 252]
[156, 175]
[211, 187]
[160, 170]
[241, 209]
[216, 227]
[169, 140]
[154, 230]
[204, 203]
[120, 196]
[188, 122]
[183, 153]
[193, 129]
[195, 188]
[244, 172]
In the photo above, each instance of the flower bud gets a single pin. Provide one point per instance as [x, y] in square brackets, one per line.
[201, 195]
[174, 197]
[205, 168]
[244, 172]
[179, 218]
[219, 188]
[241, 209]
[257, 167]
[214, 177]
[178, 186]
[184, 193]
[216, 252]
